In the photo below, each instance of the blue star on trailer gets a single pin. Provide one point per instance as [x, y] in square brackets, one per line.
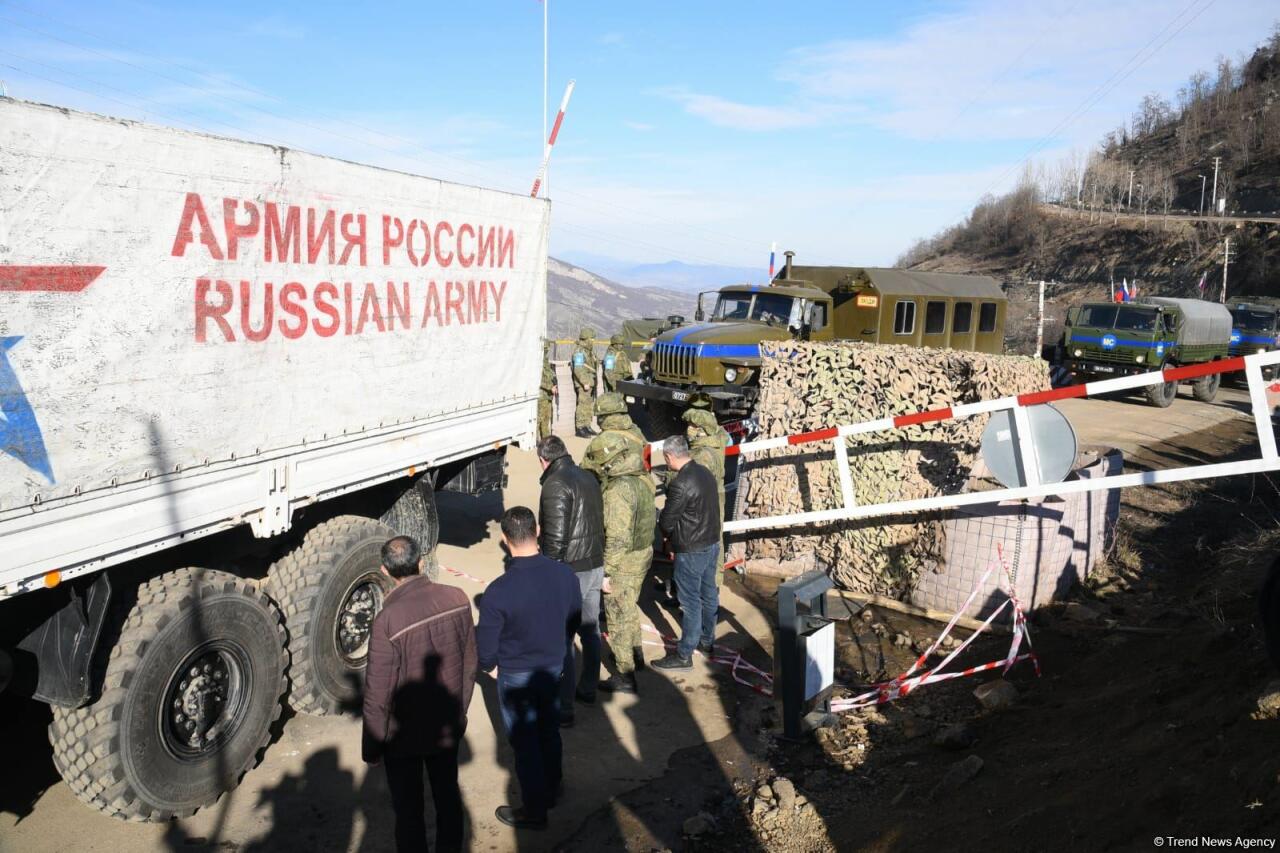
[20, 435]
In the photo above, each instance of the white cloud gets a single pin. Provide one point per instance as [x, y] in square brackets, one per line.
[723, 112]
[1001, 69]
[609, 39]
[640, 126]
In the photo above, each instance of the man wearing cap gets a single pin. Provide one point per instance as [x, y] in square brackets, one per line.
[617, 363]
[629, 521]
[584, 366]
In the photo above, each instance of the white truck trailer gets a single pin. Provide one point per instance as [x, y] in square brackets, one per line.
[228, 373]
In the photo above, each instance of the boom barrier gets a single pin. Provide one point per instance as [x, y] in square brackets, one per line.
[1024, 445]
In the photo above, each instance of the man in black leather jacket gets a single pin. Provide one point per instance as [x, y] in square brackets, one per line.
[571, 530]
[691, 520]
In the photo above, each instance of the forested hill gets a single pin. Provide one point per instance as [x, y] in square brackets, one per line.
[1114, 213]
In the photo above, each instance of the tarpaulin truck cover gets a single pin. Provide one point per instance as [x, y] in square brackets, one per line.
[185, 315]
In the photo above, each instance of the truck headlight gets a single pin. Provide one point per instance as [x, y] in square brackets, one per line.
[730, 374]
[1140, 357]
[1078, 352]
[1261, 350]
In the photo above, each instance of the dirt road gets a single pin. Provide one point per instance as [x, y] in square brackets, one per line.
[637, 769]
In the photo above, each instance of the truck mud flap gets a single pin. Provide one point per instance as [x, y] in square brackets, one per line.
[484, 473]
[53, 662]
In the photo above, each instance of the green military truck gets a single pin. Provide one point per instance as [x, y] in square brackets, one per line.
[720, 354]
[1255, 327]
[1104, 340]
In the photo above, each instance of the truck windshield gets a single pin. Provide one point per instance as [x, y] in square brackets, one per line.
[1098, 316]
[1128, 318]
[732, 306]
[1131, 319]
[765, 307]
[1249, 320]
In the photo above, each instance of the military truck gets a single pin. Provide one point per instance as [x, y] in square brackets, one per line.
[720, 353]
[1104, 340]
[1255, 327]
[200, 453]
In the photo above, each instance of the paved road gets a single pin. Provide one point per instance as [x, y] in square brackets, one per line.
[312, 792]
[1153, 216]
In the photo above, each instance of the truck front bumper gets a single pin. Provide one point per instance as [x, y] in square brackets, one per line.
[724, 398]
[1100, 370]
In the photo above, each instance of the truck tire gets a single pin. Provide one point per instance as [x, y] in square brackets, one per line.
[664, 420]
[160, 742]
[414, 514]
[1205, 388]
[334, 573]
[1162, 395]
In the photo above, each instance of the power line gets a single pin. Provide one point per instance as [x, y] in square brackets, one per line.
[1107, 86]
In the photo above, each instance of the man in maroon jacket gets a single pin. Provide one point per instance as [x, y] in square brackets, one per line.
[422, 668]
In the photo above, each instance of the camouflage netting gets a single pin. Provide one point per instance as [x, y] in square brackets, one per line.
[808, 386]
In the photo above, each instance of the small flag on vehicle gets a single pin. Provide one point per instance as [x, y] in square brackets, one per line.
[773, 249]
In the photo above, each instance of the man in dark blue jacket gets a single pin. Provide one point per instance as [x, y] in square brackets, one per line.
[526, 618]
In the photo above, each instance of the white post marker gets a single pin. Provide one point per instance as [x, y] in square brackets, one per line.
[551, 140]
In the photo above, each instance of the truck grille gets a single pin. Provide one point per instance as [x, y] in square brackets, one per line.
[675, 361]
[1113, 356]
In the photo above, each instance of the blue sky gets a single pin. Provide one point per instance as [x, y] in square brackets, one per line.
[699, 131]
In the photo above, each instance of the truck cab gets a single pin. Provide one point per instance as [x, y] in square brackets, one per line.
[1255, 325]
[720, 354]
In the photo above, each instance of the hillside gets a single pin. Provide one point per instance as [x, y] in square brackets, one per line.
[669, 275]
[577, 298]
[1083, 225]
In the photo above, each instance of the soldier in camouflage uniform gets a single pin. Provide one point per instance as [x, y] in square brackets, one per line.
[617, 363]
[611, 412]
[707, 441]
[629, 521]
[584, 381]
[548, 394]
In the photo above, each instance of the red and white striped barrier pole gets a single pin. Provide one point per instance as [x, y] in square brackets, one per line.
[551, 140]
[1268, 460]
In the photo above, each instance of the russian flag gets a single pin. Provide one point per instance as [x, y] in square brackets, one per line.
[773, 249]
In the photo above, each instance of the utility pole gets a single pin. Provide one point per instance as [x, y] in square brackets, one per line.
[1226, 261]
[1040, 325]
[1214, 202]
[1201, 177]
[545, 13]
[1129, 200]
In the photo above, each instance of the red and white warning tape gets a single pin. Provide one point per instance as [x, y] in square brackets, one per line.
[723, 657]
[461, 574]
[904, 684]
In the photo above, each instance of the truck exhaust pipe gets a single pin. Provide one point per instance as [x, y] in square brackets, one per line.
[786, 268]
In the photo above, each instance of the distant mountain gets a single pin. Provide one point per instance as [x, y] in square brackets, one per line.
[672, 275]
[577, 297]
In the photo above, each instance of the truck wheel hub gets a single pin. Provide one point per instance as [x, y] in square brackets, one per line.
[355, 620]
[204, 701]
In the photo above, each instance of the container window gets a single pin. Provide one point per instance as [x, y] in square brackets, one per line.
[904, 318]
[987, 317]
[962, 320]
[935, 318]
